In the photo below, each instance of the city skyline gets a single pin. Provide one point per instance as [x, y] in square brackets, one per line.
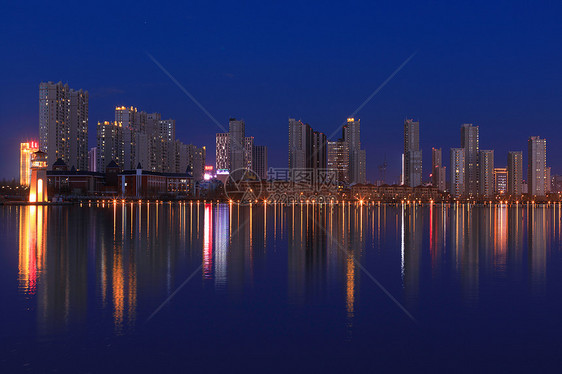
[138, 138]
[470, 140]
[444, 85]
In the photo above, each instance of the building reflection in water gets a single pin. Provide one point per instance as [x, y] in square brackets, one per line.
[411, 244]
[208, 242]
[32, 228]
[537, 226]
[129, 247]
[222, 231]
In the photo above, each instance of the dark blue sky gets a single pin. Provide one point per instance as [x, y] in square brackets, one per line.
[497, 65]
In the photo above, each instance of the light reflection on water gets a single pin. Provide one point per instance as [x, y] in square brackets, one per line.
[77, 264]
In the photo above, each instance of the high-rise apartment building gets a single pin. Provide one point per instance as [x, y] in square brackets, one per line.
[486, 173]
[167, 138]
[470, 142]
[150, 145]
[222, 153]
[132, 122]
[26, 150]
[412, 154]
[299, 143]
[237, 138]
[63, 124]
[515, 173]
[548, 181]
[110, 145]
[357, 156]
[307, 148]
[557, 183]
[438, 171]
[318, 157]
[189, 155]
[196, 157]
[236, 151]
[78, 141]
[500, 181]
[536, 168]
[259, 162]
[338, 160]
[248, 152]
[311, 150]
[457, 167]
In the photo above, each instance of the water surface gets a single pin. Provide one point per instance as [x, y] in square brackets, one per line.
[120, 287]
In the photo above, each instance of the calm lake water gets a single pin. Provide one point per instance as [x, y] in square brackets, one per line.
[179, 287]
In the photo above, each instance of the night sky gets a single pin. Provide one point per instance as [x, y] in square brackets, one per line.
[498, 66]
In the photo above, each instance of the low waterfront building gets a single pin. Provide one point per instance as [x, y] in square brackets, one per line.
[62, 181]
[394, 193]
[140, 184]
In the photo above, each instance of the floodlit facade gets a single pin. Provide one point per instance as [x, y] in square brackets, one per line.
[26, 150]
[222, 153]
[38, 182]
[248, 152]
[500, 181]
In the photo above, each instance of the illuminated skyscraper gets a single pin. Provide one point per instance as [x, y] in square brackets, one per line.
[536, 168]
[338, 159]
[248, 152]
[457, 172]
[259, 162]
[78, 141]
[299, 144]
[470, 143]
[500, 181]
[167, 139]
[237, 138]
[222, 153]
[192, 156]
[26, 150]
[357, 156]
[152, 145]
[63, 124]
[110, 145]
[515, 173]
[317, 158]
[486, 173]
[307, 148]
[132, 122]
[412, 154]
